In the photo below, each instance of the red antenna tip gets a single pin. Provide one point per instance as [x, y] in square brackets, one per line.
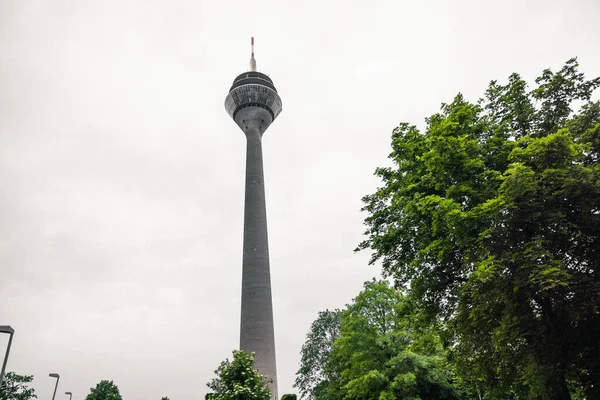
[252, 60]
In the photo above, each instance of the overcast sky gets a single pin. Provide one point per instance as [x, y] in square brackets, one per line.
[122, 175]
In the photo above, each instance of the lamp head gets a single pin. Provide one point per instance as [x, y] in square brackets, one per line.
[6, 329]
[53, 375]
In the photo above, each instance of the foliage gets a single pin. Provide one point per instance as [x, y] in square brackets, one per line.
[105, 390]
[380, 351]
[164, 398]
[315, 353]
[491, 217]
[289, 397]
[382, 354]
[14, 387]
[238, 380]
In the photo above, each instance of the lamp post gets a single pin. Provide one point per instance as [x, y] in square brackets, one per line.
[11, 332]
[70, 395]
[55, 386]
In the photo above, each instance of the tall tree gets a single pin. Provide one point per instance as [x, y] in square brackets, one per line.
[15, 387]
[382, 354]
[238, 380]
[104, 390]
[315, 353]
[492, 218]
[378, 350]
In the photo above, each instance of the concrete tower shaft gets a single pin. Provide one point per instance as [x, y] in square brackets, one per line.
[253, 103]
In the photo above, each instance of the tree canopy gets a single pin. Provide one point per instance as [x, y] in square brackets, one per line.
[239, 380]
[376, 350]
[14, 387]
[104, 390]
[312, 377]
[491, 218]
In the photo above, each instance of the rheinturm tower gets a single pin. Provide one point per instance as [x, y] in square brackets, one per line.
[253, 103]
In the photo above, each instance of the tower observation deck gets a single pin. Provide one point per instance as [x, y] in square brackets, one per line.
[253, 103]
[253, 89]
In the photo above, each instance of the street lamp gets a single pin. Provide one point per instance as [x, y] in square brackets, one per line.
[70, 395]
[11, 332]
[55, 386]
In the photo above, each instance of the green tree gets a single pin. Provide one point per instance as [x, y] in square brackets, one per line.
[491, 217]
[315, 352]
[289, 397]
[238, 380]
[383, 354]
[377, 350]
[104, 390]
[164, 398]
[14, 387]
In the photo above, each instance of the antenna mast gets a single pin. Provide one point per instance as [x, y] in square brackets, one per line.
[252, 60]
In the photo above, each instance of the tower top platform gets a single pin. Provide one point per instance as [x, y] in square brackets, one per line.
[253, 89]
[253, 92]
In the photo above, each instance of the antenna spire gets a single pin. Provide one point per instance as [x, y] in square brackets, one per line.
[252, 60]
